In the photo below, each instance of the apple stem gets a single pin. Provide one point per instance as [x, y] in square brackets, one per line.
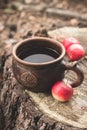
[66, 83]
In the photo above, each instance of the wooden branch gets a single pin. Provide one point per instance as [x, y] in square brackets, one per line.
[66, 13]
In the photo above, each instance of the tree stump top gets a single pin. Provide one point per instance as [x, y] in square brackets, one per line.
[25, 110]
[73, 112]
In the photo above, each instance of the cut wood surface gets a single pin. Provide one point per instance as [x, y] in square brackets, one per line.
[25, 110]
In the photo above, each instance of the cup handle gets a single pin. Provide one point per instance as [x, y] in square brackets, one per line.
[79, 73]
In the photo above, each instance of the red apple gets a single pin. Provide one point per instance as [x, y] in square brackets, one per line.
[61, 91]
[75, 52]
[67, 42]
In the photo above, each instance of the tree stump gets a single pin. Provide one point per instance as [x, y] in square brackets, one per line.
[25, 110]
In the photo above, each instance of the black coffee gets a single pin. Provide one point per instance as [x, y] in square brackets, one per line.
[40, 55]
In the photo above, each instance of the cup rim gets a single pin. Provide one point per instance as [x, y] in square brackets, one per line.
[38, 64]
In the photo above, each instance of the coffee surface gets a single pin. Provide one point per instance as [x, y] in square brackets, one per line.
[41, 55]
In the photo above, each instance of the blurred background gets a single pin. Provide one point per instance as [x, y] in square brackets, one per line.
[20, 19]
